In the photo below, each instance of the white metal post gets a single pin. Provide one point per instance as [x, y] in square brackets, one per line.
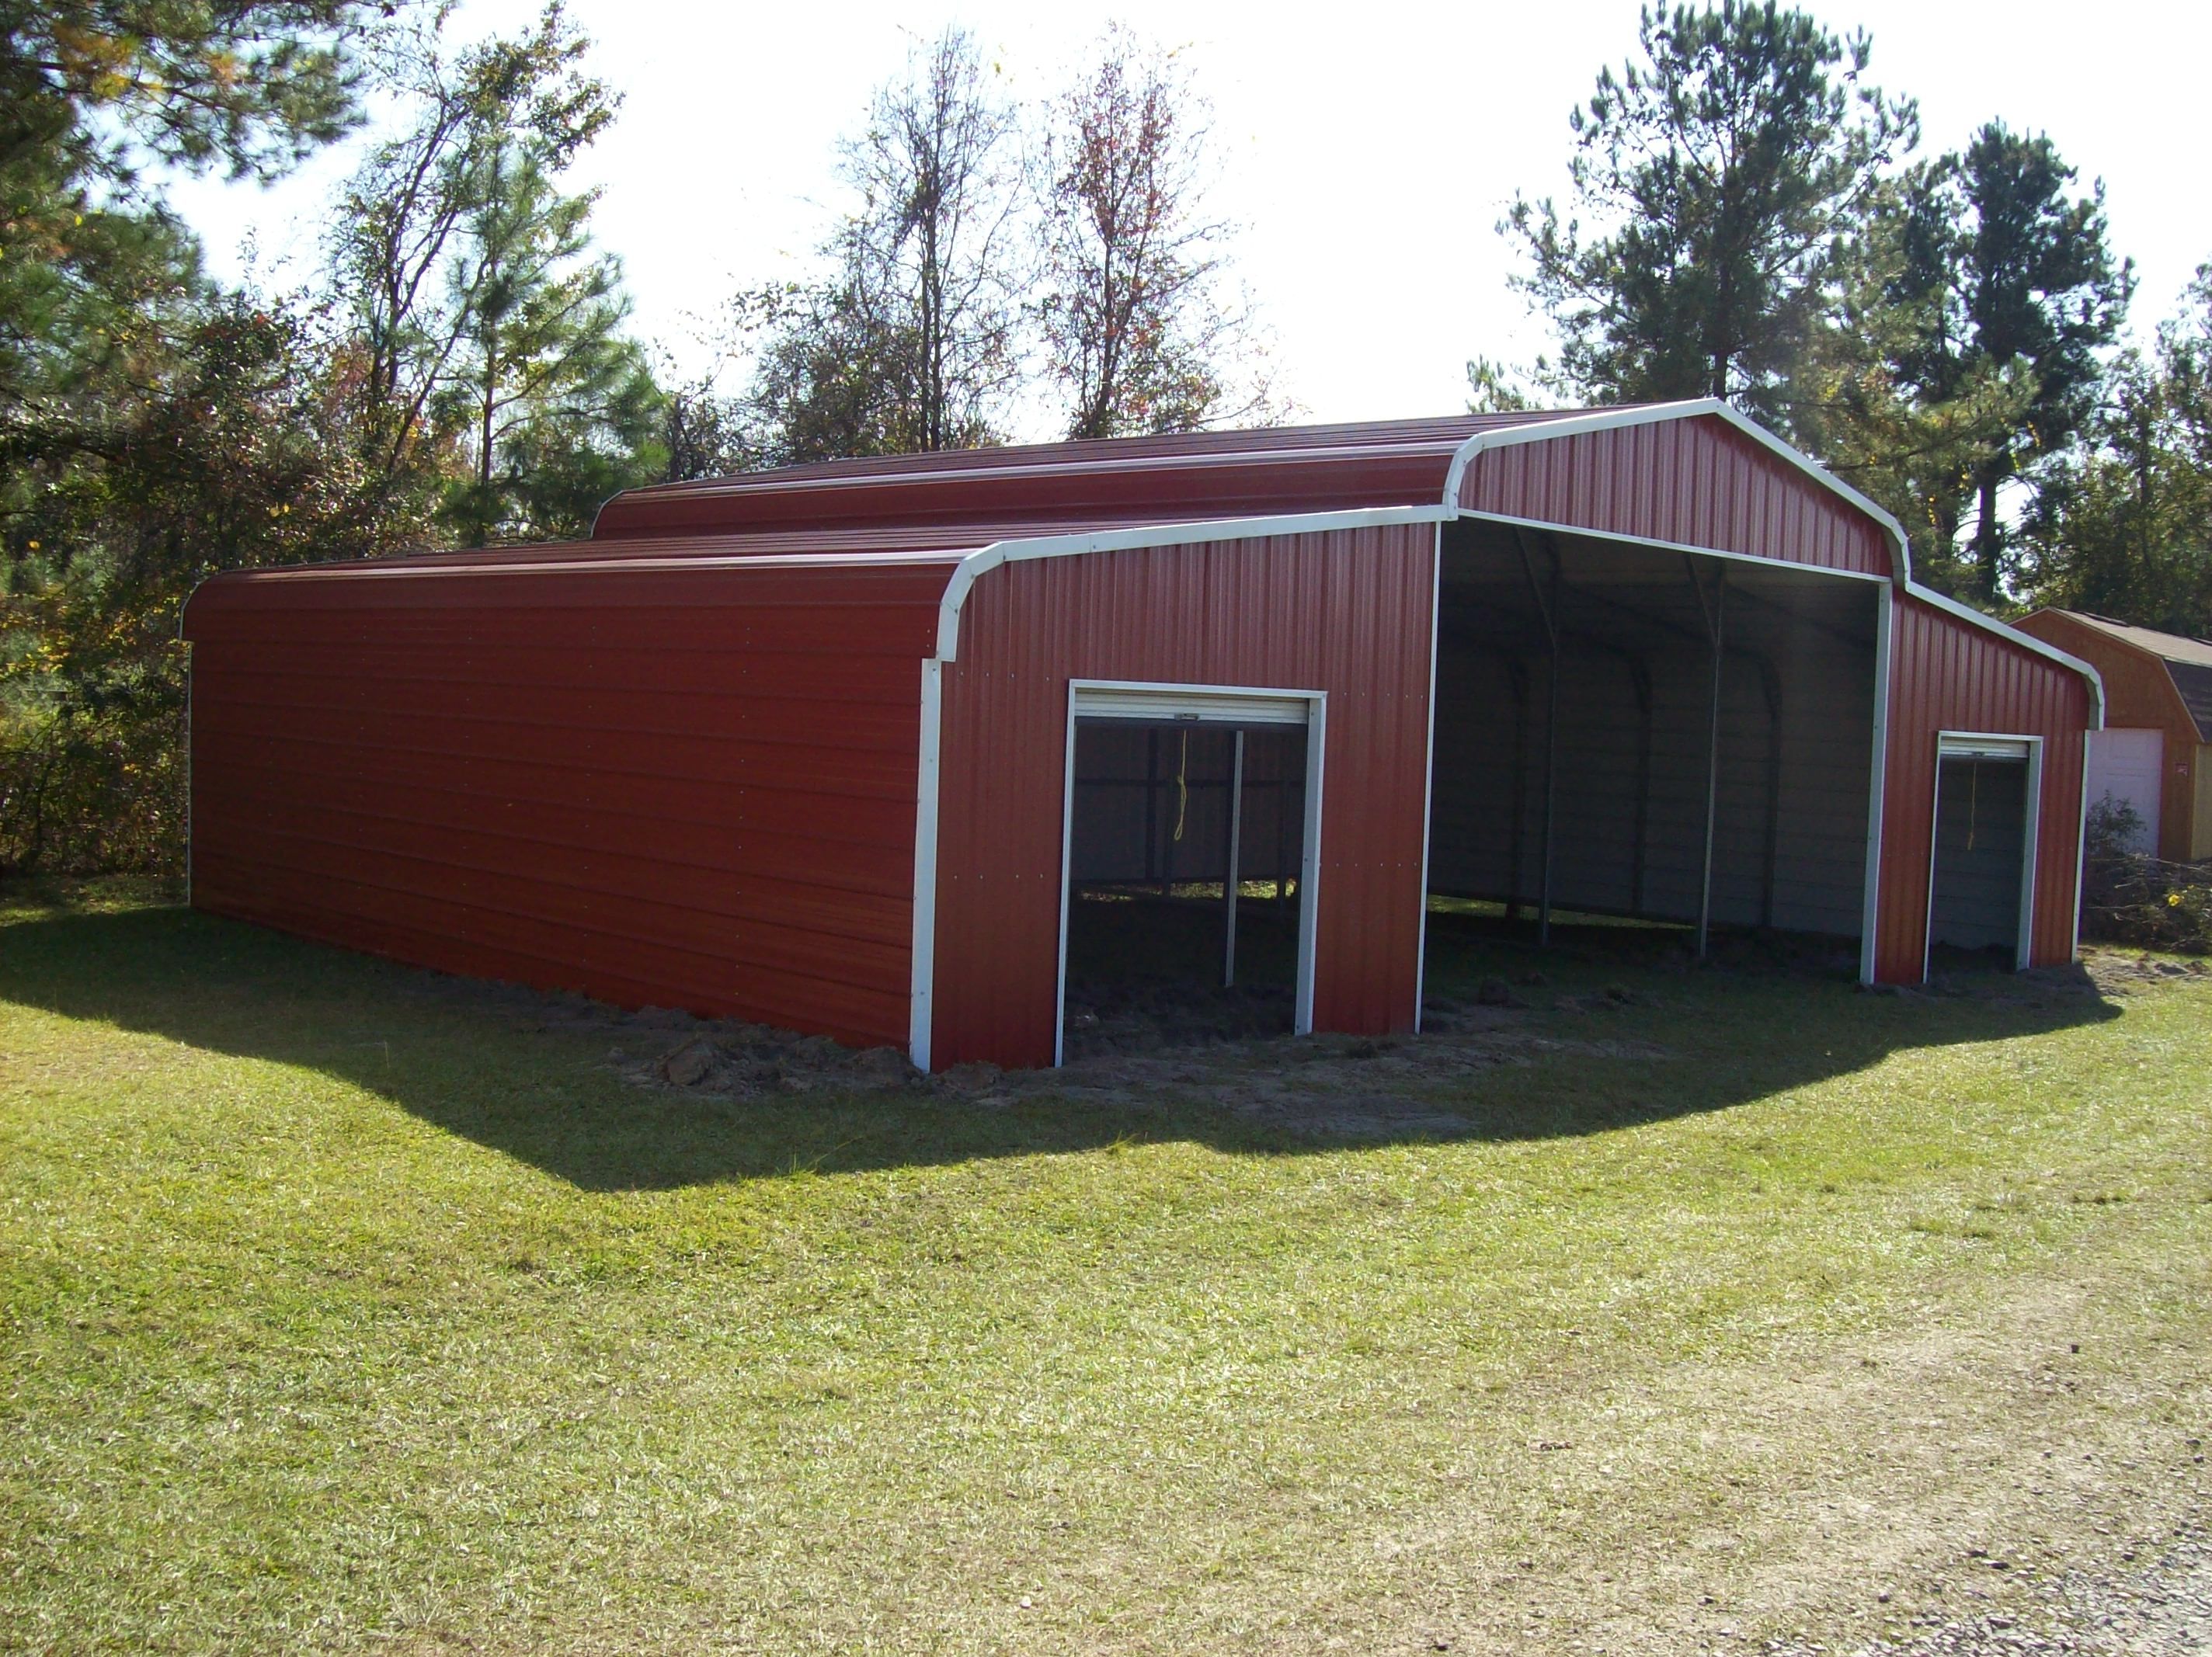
[1235, 841]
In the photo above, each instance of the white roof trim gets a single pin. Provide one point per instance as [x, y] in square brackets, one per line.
[1612, 419]
[2027, 641]
[987, 559]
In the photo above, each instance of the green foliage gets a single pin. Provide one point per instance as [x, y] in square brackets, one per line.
[150, 430]
[558, 407]
[493, 330]
[2123, 526]
[703, 431]
[1716, 186]
[237, 449]
[1495, 388]
[91, 92]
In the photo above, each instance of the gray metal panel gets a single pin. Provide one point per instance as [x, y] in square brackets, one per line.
[1793, 794]
[1981, 835]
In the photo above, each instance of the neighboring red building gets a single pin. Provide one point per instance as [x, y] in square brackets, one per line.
[2155, 752]
[803, 746]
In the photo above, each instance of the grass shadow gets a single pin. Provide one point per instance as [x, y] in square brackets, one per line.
[512, 1071]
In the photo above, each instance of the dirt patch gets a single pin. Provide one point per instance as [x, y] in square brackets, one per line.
[1325, 1086]
[734, 1059]
[2120, 972]
[1152, 1046]
[1144, 1019]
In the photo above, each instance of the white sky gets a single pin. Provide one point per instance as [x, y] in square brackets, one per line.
[1367, 149]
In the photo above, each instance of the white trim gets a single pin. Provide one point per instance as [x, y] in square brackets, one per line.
[2025, 640]
[1197, 532]
[1066, 879]
[1536, 431]
[2080, 848]
[2000, 745]
[1316, 724]
[1128, 699]
[1877, 781]
[1232, 876]
[2029, 858]
[924, 980]
[1428, 782]
[1979, 745]
[1301, 1021]
[1577, 531]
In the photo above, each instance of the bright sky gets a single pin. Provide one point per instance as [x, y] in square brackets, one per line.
[1367, 150]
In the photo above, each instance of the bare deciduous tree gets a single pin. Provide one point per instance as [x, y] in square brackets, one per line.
[1134, 325]
[926, 255]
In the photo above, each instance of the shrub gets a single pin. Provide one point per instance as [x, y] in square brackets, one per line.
[2129, 896]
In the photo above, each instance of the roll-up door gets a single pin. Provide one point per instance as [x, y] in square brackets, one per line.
[1180, 705]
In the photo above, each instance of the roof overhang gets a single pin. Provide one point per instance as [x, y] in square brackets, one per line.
[986, 558]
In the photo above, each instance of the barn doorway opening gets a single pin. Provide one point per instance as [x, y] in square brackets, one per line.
[1185, 900]
[1981, 868]
[1628, 730]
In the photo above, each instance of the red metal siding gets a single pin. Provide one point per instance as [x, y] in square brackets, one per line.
[1949, 675]
[688, 786]
[1347, 612]
[1696, 482]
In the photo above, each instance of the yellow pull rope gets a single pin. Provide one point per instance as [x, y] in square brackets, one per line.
[1973, 802]
[1182, 787]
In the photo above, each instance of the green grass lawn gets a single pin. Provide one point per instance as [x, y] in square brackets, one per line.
[343, 1308]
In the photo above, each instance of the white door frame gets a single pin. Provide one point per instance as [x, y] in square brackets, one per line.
[1988, 745]
[1214, 704]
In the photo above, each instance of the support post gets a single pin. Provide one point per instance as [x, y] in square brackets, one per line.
[1716, 615]
[1151, 803]
[1235, 843]
[1640, 677]
[1546, 610]
[1771, 851]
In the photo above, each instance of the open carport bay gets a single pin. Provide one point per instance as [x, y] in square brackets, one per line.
[1588, 755]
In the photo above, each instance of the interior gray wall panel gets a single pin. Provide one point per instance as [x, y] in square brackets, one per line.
[1981, 836]
[1790, 797]
[1109, 841]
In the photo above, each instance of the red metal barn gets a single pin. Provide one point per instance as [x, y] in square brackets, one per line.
[859, 749]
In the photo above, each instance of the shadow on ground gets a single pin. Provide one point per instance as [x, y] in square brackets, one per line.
[1617, 1026]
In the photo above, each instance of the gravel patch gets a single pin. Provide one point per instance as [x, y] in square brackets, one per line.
[2159, 1606]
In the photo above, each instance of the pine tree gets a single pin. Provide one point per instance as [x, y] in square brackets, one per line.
[2003, 273]
[557, 408]
[2123, 525]
[1716, 185]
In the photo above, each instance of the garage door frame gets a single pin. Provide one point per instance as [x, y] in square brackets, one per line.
[1152, 701]
[1988, 745]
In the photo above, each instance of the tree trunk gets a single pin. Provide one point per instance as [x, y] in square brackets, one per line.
[1988, 550]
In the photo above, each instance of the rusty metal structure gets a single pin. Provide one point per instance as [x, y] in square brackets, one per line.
[802, 746]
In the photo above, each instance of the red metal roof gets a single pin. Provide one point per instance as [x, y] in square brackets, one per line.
[1107, 482]
[1686, 475]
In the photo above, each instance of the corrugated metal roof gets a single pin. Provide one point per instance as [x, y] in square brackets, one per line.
[1104, 483]
[1668, 474]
